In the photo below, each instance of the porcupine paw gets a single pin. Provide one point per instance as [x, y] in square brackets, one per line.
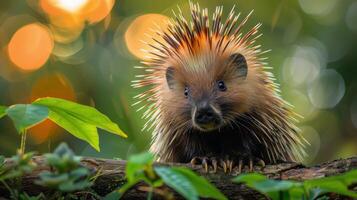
[225, 163]
[249, 161]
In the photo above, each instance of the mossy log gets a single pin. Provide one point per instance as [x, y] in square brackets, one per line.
[112, 175]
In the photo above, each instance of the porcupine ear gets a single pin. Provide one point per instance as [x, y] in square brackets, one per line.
[240, 63]
[170, 77]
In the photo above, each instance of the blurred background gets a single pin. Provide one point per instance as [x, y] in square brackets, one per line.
[85, 50]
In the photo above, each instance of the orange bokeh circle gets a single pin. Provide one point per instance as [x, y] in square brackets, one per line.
[137, 33]
[31, 46]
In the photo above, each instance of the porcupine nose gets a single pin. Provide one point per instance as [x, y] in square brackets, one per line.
[205, 116]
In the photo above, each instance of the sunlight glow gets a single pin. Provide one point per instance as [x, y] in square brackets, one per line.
[70, 5]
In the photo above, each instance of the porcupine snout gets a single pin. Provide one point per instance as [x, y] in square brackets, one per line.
[206, 117]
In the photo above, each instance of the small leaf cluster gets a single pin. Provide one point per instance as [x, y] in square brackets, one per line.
[140, 168]
[11, 173]
[20, 165]
[79, 120]
[67, 174]
[307, 190]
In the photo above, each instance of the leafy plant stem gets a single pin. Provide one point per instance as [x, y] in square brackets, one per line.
[23, 142]
[150, 193]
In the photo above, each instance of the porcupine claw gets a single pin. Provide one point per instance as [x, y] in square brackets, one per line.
[214, 163]
[252, 161]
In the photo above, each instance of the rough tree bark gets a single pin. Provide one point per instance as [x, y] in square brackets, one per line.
[113, 176]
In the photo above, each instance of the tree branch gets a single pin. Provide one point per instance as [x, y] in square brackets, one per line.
[112, 175]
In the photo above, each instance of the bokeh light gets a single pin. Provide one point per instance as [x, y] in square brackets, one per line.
[99, 10]
[351, 16]
[12, 23]
[31, 46]
[49, 85]
[136, 36]
[302, 104]
[327, 90]
[317, 7]
[305, 63]
[69, 5]
[77, 10]
[68, 17]
[67, 50]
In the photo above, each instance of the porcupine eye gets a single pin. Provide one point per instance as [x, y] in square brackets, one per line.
[221, 86]
[186, 91]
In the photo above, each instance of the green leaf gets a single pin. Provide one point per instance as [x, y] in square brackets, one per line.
[2, 111]
[349, 177]
[26, 115]
[275, 189]
[136, 164]
[275, 185]
[76, 127]
[84, 113]
[71, 186]
[336, 184]
[115, 195]
[178, 182]
[249, 178]
[52, 180]
[297, 193]
[142, 159]
[330, 184]
[203, 187]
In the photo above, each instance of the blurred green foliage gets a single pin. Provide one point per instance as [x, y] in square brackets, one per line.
[313, 57]
[184, 181]
[314, 189]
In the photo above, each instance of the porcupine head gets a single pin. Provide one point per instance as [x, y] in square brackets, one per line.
[209, 92]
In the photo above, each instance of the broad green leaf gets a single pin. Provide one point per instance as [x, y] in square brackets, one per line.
[26, 115]
[274, 185]
[84, 113]
[2, 111]
[349, 177]
[115, 195]
[75, 126]
[71, 186]
[142, 159]
[203, 187]
[275, 189]
[178, 182]
[249, 178]
[127, 186]
[337, 184]
[136, 164]
[330, 184]
[314, 194]
[296, 193]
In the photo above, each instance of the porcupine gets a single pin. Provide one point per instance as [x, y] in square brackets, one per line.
[211, 98]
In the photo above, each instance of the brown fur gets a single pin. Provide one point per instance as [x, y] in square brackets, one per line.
[256, 120]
